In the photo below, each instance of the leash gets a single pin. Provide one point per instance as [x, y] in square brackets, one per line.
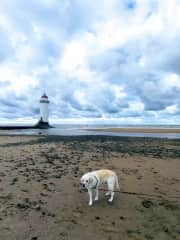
[141, 194]
[97, 181]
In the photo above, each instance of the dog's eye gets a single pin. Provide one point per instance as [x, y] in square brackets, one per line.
[86, 180]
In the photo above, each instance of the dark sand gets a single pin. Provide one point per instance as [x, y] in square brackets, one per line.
[41, 199]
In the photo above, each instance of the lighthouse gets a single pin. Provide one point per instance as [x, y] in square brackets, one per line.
[43, 122]
[44, 108]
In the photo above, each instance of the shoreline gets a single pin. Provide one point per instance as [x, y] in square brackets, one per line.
[39, 125]
[142, 132]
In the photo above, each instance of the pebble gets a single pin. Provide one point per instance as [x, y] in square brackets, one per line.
[147, 203]
[34, 238]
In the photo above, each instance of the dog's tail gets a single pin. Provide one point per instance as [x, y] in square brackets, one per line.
[117, 183]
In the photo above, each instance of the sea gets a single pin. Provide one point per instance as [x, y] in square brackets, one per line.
[85, 129]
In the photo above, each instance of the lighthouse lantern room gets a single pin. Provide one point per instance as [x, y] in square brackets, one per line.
[44, 108]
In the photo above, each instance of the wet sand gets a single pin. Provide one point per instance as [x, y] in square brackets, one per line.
[41, 199]
[138, 130]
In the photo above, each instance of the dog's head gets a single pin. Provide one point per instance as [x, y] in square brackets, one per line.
[87, 181]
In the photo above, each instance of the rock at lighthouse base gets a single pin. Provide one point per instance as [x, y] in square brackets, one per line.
[42, 125]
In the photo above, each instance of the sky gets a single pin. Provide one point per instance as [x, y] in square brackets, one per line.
[98, 61]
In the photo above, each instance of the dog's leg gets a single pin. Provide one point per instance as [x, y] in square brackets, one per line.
[97, 194]
[112, 197]
[90, 197]
[111, 184]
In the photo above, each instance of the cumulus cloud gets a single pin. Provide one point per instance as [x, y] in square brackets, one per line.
[115, 61]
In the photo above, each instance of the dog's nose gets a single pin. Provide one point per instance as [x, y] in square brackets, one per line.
[83, 185]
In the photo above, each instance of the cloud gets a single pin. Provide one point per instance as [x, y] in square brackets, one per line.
[110, 60]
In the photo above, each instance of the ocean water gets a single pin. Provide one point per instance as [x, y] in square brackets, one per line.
[77, 130]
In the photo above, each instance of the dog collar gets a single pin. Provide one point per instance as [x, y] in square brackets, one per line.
[97, 181]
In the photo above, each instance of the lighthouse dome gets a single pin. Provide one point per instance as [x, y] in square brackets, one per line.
[44, 96]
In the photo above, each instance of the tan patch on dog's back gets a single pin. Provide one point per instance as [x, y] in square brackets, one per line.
[104, 174]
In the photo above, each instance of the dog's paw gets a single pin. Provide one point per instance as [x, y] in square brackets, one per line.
[96, 199]
[90, 204]
[110, 200]
[107, 194]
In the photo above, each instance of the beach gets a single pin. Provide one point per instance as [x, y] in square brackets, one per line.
[41, 197]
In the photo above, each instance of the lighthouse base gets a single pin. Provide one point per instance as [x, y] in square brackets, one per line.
[42, 125]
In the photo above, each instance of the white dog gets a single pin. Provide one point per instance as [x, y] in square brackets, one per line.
[92, 180]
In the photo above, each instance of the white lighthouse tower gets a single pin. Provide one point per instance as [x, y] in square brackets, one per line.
[44, 109]
[43, 121]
